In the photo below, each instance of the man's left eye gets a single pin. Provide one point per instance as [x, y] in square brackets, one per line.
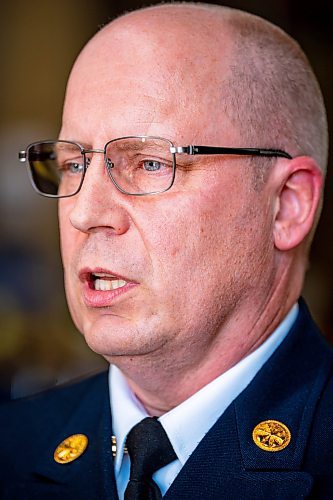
[152, 165]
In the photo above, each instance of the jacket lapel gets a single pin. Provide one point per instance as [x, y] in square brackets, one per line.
[227, 463]
[286, 390]
[91, 475]
[216, 470]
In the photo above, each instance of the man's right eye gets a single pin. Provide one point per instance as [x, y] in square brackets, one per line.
[71, 167]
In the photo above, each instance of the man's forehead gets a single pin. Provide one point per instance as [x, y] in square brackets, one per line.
[139, 72]
[102, 119]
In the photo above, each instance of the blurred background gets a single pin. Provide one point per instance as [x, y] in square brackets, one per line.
[40, 39]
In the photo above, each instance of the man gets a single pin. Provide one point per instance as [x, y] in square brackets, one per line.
[183, 268]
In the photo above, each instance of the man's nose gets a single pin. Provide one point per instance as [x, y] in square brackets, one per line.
[99, 204]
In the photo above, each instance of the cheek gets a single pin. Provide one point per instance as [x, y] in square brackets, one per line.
[210, 239]
[67, 232]
[68, 244]
[183, 242]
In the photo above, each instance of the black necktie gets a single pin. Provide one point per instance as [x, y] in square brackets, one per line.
[149, 449]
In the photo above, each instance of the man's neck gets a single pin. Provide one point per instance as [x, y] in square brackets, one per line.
[162, 384]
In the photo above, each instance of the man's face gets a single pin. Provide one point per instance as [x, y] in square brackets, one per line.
[183, 263]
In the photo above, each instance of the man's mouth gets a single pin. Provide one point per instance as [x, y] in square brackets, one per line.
[105, 282]
[101, 287]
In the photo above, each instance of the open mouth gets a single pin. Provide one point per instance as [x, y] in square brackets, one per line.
[101, 288]
[105, 282]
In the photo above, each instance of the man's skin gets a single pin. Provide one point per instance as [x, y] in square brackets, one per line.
[214, 264]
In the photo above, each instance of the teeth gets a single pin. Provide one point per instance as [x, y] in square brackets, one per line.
[104, 285]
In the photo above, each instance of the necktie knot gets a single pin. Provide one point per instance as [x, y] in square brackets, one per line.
[149, 449]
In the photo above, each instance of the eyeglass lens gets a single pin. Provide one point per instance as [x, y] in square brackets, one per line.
[140, 165]
[56, 168]
[136, 165]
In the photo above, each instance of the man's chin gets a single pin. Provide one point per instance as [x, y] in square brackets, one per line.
[115, 338]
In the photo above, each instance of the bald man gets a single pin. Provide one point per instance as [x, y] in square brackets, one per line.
[189, 171]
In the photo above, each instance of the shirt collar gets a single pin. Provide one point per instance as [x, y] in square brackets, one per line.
[187, 423]
[126, 411]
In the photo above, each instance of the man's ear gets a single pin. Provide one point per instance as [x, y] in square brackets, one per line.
[298, 201]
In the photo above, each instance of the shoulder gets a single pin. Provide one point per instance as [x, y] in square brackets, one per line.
[318, 457]
[56, 402]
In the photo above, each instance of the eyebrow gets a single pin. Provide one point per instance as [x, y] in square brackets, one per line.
[60, 146]
[139, 146]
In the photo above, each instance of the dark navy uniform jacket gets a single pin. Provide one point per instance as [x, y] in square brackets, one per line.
[294, 387]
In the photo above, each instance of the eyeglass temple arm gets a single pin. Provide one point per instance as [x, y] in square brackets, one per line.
[36, 156]
[206, 150]
[212, 150]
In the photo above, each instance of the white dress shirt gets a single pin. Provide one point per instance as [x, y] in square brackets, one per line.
[187, 423]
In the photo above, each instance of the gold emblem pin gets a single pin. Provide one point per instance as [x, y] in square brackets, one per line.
[271, 435]
[70, 449]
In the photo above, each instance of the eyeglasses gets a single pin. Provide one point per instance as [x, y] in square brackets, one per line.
[137, 165]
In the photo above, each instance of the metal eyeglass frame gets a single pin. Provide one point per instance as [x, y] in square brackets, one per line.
[189, 150]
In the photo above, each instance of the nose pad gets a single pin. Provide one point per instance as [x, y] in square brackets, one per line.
[109, 167]
[109, 163]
